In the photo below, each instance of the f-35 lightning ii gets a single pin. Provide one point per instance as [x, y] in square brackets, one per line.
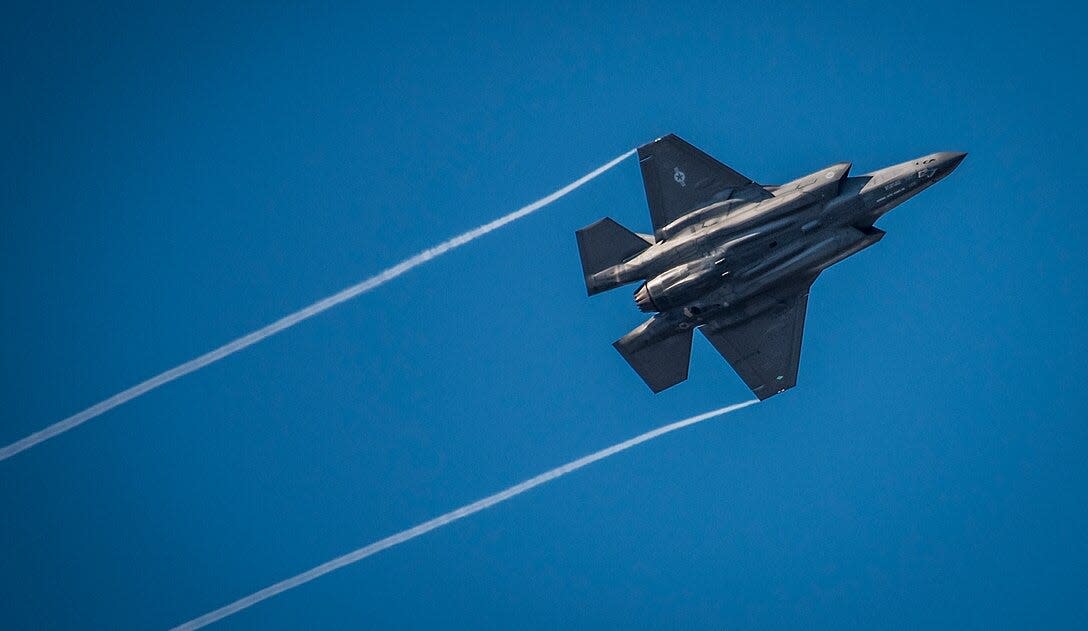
[735, 259]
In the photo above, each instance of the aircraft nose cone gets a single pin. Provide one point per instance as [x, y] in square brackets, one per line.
[952, 159]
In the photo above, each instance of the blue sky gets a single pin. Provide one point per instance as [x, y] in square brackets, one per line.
[175, 177]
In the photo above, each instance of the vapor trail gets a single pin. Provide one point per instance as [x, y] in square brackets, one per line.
[290, 320]
[442, 520]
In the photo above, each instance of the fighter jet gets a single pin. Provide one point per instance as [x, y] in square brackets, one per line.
[736, 259]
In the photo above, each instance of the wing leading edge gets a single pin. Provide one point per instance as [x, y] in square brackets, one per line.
[766, 350]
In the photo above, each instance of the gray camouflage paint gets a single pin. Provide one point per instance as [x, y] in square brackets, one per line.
[741, 259]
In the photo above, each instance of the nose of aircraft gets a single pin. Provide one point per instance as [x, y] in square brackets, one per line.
[951, 159]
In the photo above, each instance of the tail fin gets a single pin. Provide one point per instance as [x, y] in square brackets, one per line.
[603, 245]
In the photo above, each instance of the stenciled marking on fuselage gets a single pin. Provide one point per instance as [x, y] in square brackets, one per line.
[891, 195]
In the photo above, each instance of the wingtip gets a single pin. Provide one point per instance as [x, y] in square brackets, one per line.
[668, 136]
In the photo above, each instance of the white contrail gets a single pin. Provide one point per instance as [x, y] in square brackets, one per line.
[442, 520]
[290, 320]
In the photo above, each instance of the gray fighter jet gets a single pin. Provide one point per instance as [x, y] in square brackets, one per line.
[736, 259]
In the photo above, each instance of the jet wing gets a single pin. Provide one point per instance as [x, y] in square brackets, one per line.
[680, 178]
[766, 350]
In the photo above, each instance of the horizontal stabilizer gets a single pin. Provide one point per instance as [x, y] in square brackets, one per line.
[603, 245]
[662, 364]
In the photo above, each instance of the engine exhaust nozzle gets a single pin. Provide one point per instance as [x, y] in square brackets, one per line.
[644, 301]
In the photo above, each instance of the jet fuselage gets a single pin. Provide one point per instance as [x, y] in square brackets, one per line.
[715, 258]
